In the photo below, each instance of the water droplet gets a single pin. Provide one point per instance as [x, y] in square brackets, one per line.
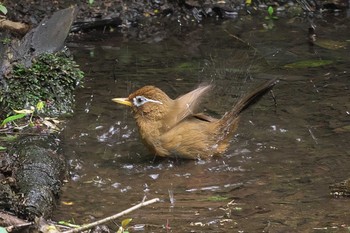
[154, 176]
[116, 185]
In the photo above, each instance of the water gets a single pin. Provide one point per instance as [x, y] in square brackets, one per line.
[276, 174]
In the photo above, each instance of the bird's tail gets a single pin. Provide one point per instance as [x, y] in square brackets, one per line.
[229, 120]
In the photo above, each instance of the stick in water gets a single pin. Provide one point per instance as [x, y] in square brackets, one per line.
[99, 222]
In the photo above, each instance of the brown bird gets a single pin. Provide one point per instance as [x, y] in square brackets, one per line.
[171, 128]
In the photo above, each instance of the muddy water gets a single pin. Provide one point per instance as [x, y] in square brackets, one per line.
[276, 174]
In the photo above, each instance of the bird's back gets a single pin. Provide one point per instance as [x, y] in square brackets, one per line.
[192, 138]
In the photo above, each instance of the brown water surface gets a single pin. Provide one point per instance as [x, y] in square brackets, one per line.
[276, 174]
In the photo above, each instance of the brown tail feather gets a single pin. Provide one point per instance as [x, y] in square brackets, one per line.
[253, 97]
[247, 101]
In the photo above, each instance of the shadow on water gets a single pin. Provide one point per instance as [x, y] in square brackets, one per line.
[276, 175]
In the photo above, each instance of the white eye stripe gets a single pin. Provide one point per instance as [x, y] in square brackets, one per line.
[141, 100]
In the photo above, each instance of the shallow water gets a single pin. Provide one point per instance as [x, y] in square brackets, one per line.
[276, 174]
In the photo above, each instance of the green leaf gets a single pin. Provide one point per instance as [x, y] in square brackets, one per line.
[2, 148]
[216, 198]
[342, 129]
[13, 118]
[330, 44]
[270, 10]
[125, 222]
[40, 105]
[6, 41]
[91, 2]
[3, 9]
[8, 138]
[68, 224]
[308, 64]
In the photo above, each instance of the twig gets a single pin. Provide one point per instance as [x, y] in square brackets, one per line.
[99, 222]
[249, 46]
[19, 226]
[240, 40]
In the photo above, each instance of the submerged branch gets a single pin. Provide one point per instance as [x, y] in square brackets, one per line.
[99, 222]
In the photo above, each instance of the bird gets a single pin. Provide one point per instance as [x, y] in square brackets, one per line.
[173, 128]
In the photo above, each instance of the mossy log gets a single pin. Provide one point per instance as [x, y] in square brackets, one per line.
[37, 170]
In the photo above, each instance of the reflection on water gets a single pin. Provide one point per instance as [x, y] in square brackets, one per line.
[276, 175]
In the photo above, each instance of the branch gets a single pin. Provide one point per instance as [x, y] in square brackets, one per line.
[99, 222]
[20, 28]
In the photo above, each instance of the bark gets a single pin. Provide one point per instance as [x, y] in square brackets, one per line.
[37, 170]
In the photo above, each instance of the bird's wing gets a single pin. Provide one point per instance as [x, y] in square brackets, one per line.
[203, 117]
[190, 139]
[184, 106]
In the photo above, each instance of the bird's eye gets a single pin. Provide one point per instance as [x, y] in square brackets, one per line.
[139, 100]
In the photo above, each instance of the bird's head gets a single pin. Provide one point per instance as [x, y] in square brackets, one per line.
[147, 102]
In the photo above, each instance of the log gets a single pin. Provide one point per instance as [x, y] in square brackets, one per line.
[16, 27]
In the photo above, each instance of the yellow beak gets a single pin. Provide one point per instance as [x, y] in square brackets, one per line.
[123, 101]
